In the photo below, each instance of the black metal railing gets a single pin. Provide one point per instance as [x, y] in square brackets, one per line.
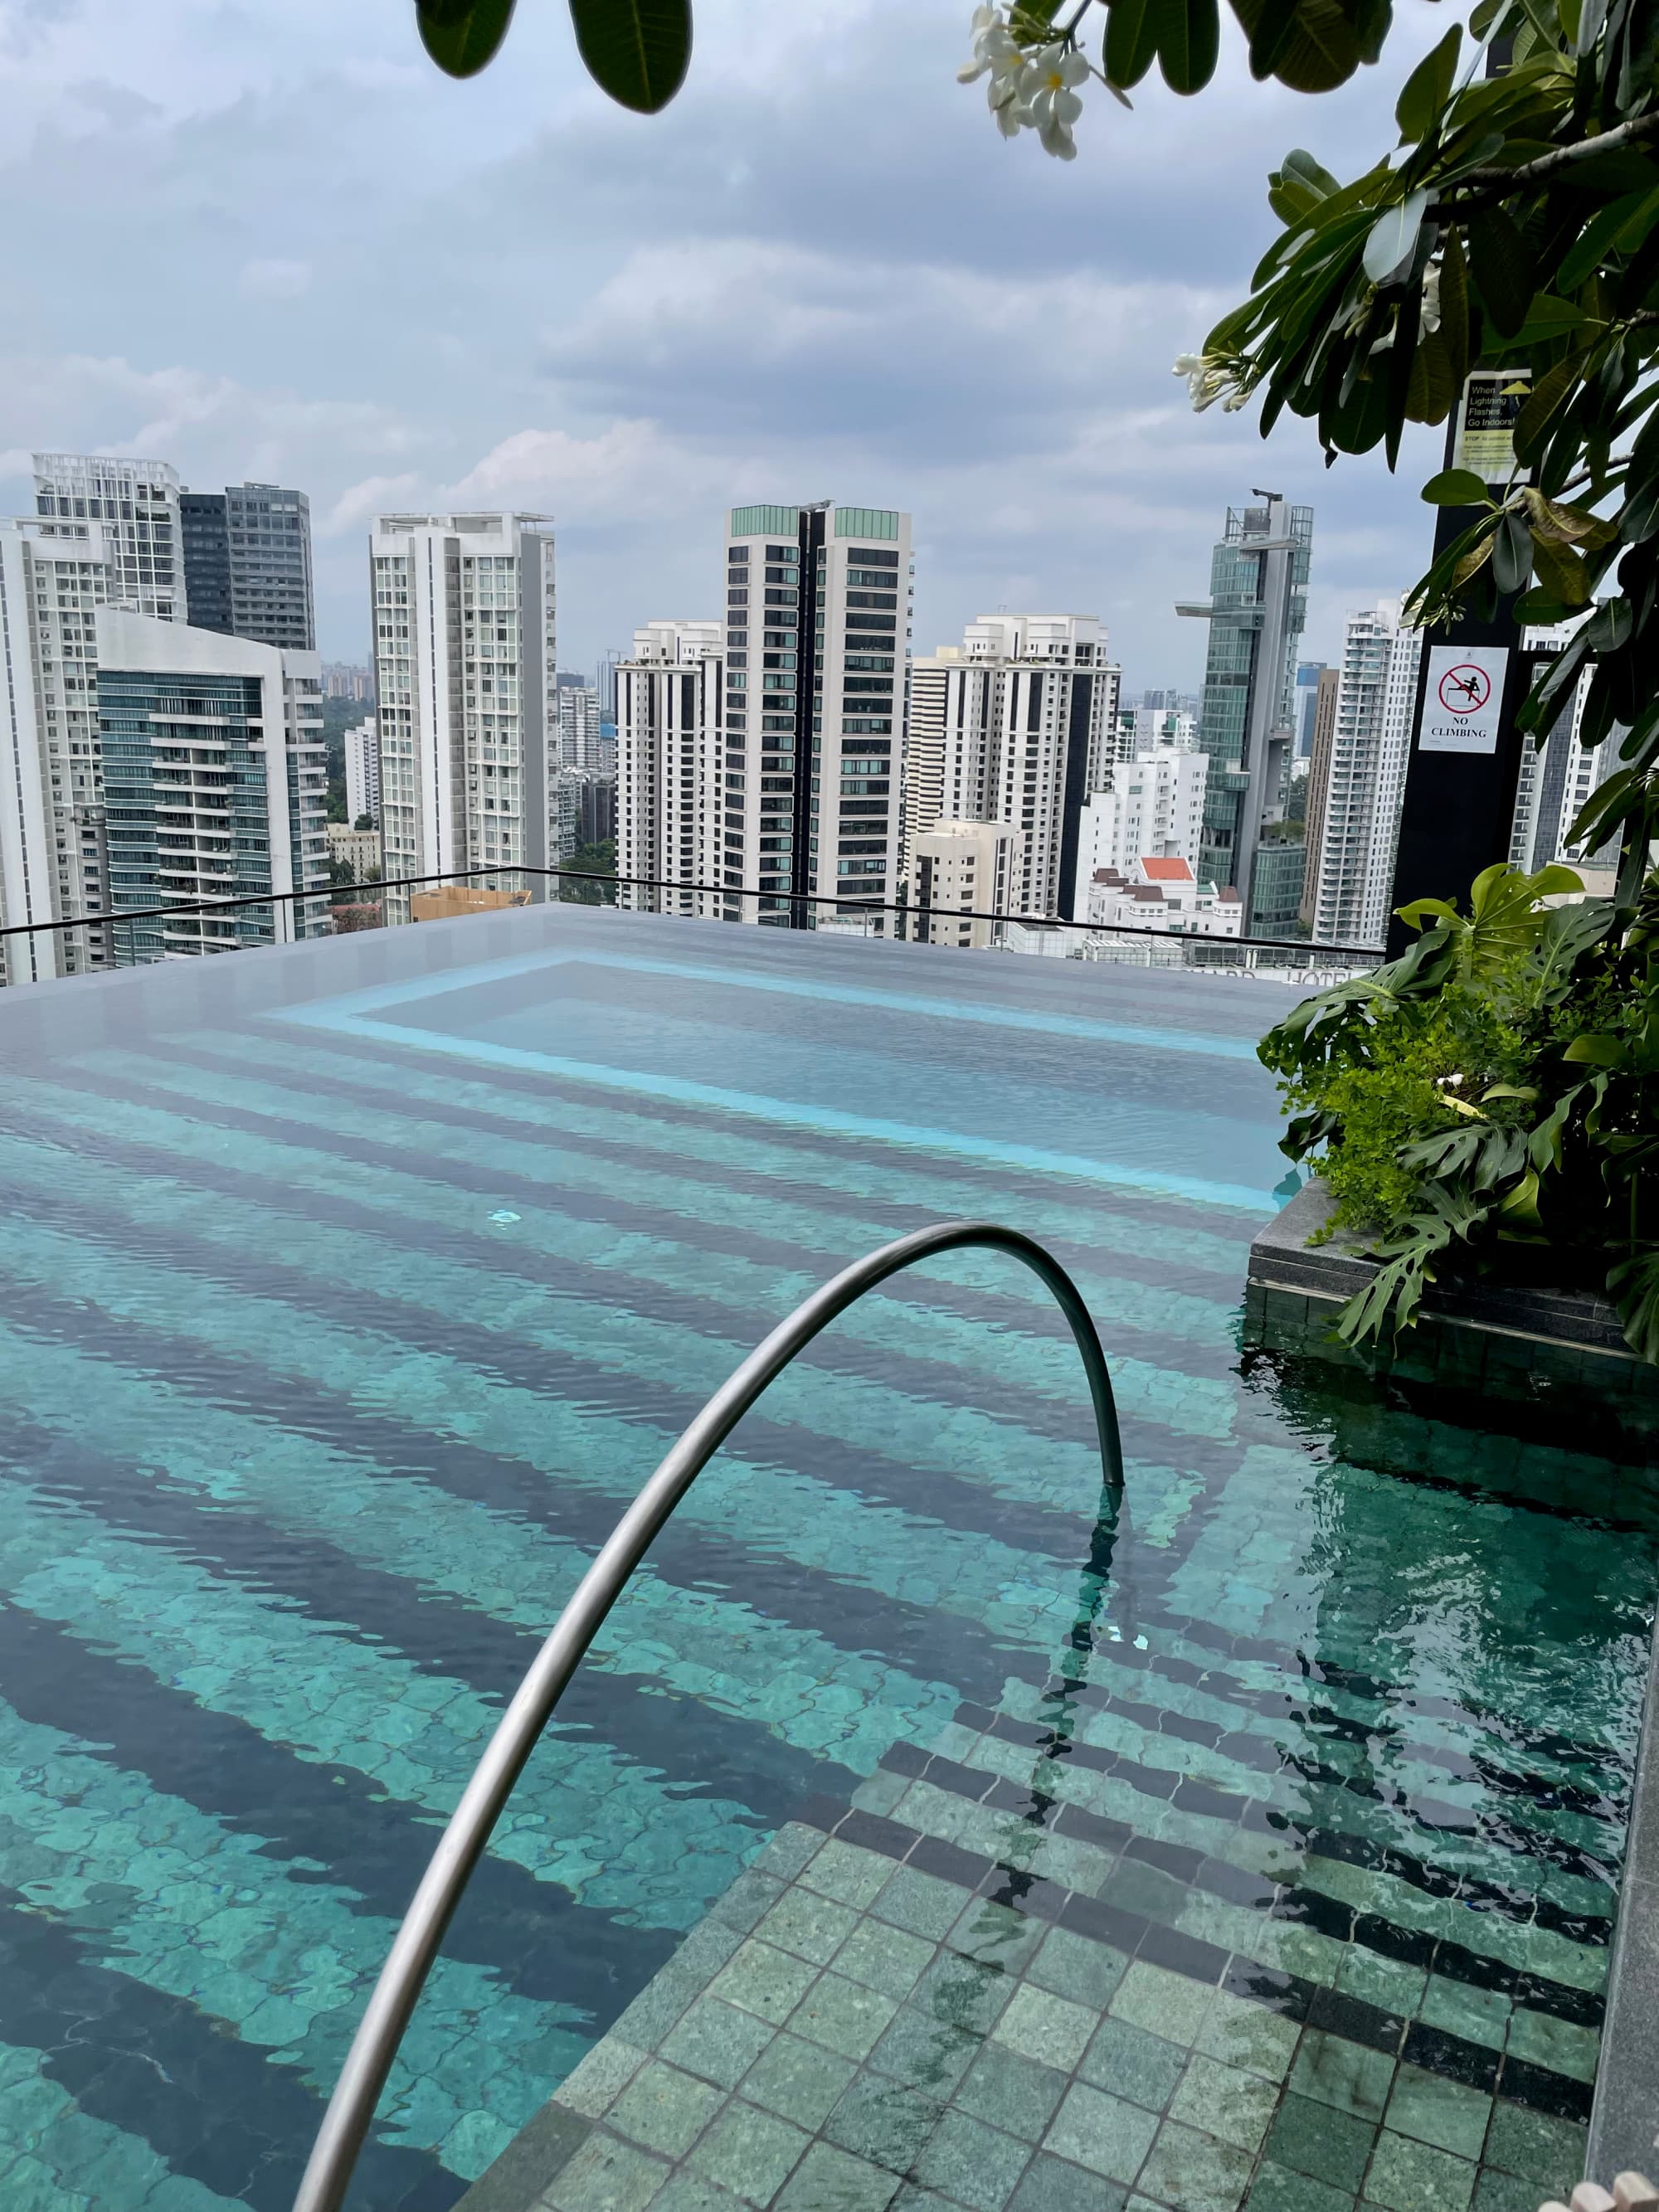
[802, 909]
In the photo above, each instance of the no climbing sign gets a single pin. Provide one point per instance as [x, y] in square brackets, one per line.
[1463, 699]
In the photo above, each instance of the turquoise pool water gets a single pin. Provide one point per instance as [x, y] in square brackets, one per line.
[350, 1291]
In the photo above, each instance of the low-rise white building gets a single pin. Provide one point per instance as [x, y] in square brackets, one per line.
[1163, 895]
[359, 848]
[961, 873]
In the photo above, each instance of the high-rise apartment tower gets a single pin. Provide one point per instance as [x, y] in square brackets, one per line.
[817, 620]
[247, 563]
[672, 783]
[1018, 725]
[137, 502]
[215, 773]
[467, 706]
[1356, 804]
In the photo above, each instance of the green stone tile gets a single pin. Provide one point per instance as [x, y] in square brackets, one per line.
[1163, 2004]
[964, 1992]
[975, 2165]
[1319, 2141]
[1538, 2146]
[664, 2109]
[789, 1850]
[1415, 2176]
[1280, 2190]
[1102, 2132]
[884, 2120]
[843, 2014]
[1138, 1888]
[798, 2080]
[1054, 2184]
[607, 2175]
[763, 1980]
[1562, 2045]
[1432, 2110]
[1276, 2189]
[880, 1791]
[847, 1873]
[1388, 1983]
[1132, 2063]
[686, 2191]
[1508, 2192]
[1349, 2075]
[1195, 2172]
[884, 1957]
[996, 1934]
[748, 2152]
[1224, 2102]
[1073, 1966]
[1478, 2016]
[911, 2198]
[1050, 2029]
[749, 1896]
[1248, 2035]
[830, 2180]
[810, 1926]
[920, 1903]
[929, 2054]
[1011, 2091]
[609, 2067]
[717, 2040]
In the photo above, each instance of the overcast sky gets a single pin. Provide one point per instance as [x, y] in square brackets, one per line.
[268, 239]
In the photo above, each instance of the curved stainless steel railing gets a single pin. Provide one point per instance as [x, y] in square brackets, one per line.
[340, 2138]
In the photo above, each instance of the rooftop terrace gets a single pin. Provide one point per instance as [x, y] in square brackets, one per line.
[927, 1830]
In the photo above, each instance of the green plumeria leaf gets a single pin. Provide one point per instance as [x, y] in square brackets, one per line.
[463, 35]
[1188, 41]
[1393, 239]
[1131, 40]
[1456, 488]
[1427, 89]
[1503, 268]
[638, 51]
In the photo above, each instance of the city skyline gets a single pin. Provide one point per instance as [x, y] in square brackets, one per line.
[751, 307]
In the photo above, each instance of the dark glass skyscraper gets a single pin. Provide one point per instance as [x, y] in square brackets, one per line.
[1258, 584]
[247, 565]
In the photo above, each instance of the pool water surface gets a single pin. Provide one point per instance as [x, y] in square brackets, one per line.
[350, 1292]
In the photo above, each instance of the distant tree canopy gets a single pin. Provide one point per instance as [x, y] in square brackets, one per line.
[590, 860]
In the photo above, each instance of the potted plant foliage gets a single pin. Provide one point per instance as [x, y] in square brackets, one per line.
[1484, 1105]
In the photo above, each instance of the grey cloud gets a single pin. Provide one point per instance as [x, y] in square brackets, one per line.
[820, 272]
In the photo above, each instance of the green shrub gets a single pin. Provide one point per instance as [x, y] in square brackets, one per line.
[1492, 1089]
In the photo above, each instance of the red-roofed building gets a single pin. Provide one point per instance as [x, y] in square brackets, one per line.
[1163, 894]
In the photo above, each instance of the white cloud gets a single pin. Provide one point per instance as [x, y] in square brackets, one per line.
[360, 505]
[275, 280]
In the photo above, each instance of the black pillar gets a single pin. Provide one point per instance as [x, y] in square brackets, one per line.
[1458, 809]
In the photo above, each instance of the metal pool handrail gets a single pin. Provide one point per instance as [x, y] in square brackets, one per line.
[351, 2108]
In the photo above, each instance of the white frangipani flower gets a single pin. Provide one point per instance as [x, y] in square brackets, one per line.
[995, 50]
[1209, 378]
[1432, 298]
[1047, 88]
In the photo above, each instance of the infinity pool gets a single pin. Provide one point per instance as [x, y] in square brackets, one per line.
[350, 1293]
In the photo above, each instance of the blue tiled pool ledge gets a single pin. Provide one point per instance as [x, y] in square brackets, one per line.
[350, 1293]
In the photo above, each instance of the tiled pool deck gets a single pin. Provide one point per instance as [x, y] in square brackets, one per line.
[1257, 1844]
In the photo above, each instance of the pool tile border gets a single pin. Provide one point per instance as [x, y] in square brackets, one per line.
[1152, 2078]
